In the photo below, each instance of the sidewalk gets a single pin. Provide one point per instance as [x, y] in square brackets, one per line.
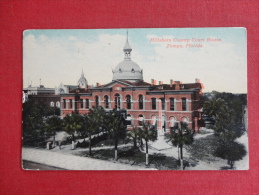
[71, 162]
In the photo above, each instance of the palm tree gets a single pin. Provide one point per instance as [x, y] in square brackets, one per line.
[116, 127]
[72, 124]
[93, 123]
[53, 125]
[213, 107]
[148, 133]
[180, 135]
[134, 134]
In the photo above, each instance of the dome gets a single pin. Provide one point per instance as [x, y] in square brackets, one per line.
[127, 69]
[82, 82]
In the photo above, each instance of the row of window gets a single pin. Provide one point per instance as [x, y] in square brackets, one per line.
[154, 119]
[117, 104]
[52, 104]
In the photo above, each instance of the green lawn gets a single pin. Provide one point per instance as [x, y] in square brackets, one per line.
[129, 155]
[203, 148]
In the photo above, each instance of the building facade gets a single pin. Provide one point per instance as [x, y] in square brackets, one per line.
[161, 104]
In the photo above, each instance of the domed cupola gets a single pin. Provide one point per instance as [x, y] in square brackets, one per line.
[82, 82]
[127, 69]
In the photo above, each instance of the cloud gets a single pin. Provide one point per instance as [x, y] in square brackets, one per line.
[61, 59]
[55, 61]
[217, 64]
[72, 38]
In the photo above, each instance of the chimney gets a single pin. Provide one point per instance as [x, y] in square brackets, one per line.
[197, 80]
[171, 82]
[177, 85]
[152, 81]
[160, 82]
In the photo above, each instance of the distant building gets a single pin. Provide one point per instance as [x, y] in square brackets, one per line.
[161, 104]
[61, 89]
[39, 90]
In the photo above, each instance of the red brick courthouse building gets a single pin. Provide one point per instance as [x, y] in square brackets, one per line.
[161, 104]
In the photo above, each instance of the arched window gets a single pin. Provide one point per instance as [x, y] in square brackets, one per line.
[61, 91]
[140, 119]
[164, 123]
[129, 119]
[153, 103]
[58, 104]
[184, 104]
[117, 101]
[96, 101]
[52, 104]
[140, 100]
[185, 119]
[106, 101]
[153, 120]
[172, 121]
[128, 101]
[86, 103]
[171, 103]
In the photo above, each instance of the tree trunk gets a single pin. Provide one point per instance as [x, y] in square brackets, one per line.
[231, 164]
[141, 142]
[54, 144]
[178, 150]
[135, 142]
[73, 144]
[116, 151]
[181, 157]
[147, 154]
[90, 147]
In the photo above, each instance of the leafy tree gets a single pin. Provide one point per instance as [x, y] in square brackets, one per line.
[232, 151]
[93, 122]
[181, 135]
[227, 108]
[149, 133]
[33, 122]
[213, 107]
[53, 124]
[117, 129]
[228, 113]
[72, 124]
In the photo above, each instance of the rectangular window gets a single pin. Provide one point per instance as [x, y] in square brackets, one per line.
[171, 103]
[64, 104]
[154, 103]
[141, 102]
[81, 103]
[184, 104]
[163, 103]
[87, 103]
[71, 104]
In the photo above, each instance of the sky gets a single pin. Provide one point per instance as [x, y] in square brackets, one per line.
[54, 56]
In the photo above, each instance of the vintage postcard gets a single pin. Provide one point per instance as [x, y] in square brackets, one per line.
[135, 99]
